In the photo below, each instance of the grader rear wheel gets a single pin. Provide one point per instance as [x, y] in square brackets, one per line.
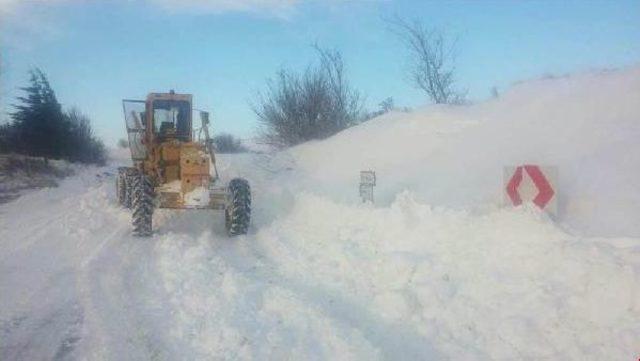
[238, 212]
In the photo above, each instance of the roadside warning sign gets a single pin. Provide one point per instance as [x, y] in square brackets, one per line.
[531, 183]
[367, 182]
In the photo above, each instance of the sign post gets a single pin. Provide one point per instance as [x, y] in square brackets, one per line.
[367, 182]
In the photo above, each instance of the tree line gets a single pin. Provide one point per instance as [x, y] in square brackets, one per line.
[39, 127]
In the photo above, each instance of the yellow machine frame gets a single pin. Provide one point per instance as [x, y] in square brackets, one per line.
[171, 161]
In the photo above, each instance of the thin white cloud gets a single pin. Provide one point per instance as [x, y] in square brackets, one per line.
[23, 22]
[12, 7]
[9, 8]
[269, 7]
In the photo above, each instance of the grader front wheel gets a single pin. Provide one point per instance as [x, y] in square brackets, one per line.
[142, 204]
[238, 211]
[121, 186]
[124, 186]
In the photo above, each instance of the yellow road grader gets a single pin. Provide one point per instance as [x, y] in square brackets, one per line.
[174, 165]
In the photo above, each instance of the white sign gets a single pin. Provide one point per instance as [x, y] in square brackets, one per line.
[368, 177]
[367, 182]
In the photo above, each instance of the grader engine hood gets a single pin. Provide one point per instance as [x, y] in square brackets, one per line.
[194, 167]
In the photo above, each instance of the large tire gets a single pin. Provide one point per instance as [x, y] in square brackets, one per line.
[124, 183]
[142, 192]
[121, 186]
[238, 211]
[130, 174]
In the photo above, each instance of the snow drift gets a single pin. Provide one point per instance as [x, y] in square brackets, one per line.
[437, 269]
[588, 125]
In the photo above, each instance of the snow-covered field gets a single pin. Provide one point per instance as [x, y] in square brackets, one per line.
[436, 269]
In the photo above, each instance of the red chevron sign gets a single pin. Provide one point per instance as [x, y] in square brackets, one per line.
[545, 190]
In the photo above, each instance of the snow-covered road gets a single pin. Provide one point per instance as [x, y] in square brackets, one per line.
[72, 277]
[74, 283]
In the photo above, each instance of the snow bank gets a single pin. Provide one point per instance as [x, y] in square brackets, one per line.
[587, 125]
[505, 285]
[409, 281]
[437, 269]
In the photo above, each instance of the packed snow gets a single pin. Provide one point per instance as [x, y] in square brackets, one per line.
[198, 197]
[438, 268]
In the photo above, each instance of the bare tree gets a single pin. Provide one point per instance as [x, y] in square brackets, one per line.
[432, 60]
[316, 104]
[346, 103]
[227, 143]
[494, 92]
[387, 105]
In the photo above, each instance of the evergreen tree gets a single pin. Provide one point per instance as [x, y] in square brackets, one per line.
[41, 128]
[39, 121]
[80, 144]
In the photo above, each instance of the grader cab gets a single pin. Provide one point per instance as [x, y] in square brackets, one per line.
[174, 165]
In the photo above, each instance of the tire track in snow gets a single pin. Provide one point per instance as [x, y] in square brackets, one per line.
[37, 275]
[68, 285]
[394, 341]
[113, 283]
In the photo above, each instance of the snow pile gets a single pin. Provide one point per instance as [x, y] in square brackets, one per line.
[440, 271]
[198, 197]
[504, 285]
[408, 281]
[587, 125]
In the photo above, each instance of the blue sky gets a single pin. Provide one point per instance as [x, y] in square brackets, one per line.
[222, 51]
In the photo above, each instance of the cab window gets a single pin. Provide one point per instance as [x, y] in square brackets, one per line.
[172, 119]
